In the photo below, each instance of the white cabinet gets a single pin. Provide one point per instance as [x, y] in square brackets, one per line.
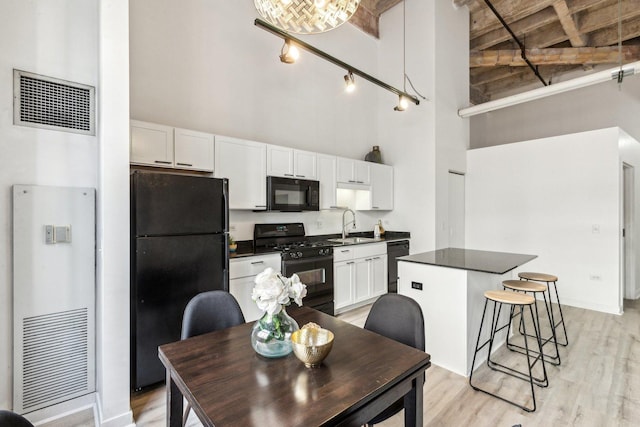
[380, 197]
[244, 164]
[344, 283]
[327, 178]
[290, 163]
[157, 145]
[359, 274]
[352, 171]
[242, 272]
[193, 150]
[150, 144]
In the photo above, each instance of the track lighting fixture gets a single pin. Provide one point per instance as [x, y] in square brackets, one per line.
[350, 82]
[292, 43]
[289, 53]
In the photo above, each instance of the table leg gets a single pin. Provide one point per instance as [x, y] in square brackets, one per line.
[174, 403]
[413, 403]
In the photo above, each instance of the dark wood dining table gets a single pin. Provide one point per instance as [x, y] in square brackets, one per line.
[228, 384]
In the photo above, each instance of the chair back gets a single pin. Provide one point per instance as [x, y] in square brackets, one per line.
[397, 317]
[11, 419]
[210, 311]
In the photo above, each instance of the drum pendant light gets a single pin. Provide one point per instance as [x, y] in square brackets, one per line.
[307, 16]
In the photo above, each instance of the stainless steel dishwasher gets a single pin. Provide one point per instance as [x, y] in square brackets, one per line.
[395, 249]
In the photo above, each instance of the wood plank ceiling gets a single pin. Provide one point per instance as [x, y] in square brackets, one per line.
[559, 37]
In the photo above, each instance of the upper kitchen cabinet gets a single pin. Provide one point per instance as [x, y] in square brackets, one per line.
[193, 150]
[291, 163]
[244, 164]
[381, 187]
[151, 144]
[164, 146]
[327, 178]
[352, 171]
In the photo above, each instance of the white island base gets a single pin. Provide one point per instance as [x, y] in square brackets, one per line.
[452, 300]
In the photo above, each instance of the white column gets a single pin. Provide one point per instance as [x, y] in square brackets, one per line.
[113, 215]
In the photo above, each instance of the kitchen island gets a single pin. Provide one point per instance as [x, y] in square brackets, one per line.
[449, 285]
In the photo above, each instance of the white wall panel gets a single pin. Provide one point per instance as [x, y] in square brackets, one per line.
[557, 198]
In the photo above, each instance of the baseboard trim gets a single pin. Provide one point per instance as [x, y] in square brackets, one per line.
[124, 419]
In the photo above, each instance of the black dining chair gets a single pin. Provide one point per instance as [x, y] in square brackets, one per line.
[400, 318]
[11, 419]
[207, 312]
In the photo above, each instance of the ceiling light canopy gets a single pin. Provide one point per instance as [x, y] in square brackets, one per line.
[307, 16]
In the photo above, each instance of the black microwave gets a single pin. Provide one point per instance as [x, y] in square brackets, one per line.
[292, 195]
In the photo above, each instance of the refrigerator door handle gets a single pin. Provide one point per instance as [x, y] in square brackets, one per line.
[225, 195]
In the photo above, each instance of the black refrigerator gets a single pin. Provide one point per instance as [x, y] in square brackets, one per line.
[179, 248]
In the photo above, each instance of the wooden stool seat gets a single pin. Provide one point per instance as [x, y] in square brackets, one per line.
[539, 277]
[507, 297]
[524, 286]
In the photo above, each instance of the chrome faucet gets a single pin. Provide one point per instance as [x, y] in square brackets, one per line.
[345, 233]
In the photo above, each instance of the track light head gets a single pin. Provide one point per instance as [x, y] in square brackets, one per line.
[403, 103]
[289, 53]
[350, 83]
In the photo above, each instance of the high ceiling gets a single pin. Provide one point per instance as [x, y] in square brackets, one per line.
[560, 37]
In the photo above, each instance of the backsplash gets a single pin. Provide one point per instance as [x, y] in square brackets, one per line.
[321, 222]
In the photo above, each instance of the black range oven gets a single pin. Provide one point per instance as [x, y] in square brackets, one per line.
[311, 261]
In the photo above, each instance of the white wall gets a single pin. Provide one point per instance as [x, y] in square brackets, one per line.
[558, 198]
[57, 39]
[595, 107]
[203, 65]
[452, 132]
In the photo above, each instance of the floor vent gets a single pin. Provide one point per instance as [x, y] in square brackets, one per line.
[55, 358]
[50, 103]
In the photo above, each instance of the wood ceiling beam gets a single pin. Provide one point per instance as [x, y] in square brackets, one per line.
[607, 16]
[576, 38]
[609, 36]
[367, 21]
[480, 76]
[554, 56]
[495, 88]
[530, 23]
[523, 26]
[367, 17]
[484, 20]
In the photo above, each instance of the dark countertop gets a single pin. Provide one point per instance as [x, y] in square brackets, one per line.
[245, 247]
[470, 259]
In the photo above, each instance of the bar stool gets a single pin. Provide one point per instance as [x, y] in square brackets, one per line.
[520, 300]
[534, 288]
[549, 279]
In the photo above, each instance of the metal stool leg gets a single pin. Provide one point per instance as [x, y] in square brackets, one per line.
[552, 359]
[537, 356]
[561, 322]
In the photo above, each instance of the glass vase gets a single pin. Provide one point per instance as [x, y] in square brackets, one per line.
[271, 334]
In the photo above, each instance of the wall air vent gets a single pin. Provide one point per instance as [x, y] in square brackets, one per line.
[50, 103]
[55, 359]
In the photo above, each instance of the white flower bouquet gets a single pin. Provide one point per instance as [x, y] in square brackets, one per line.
[271, 334]
[272, 291]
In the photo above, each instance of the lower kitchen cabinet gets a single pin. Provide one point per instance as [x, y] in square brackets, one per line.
[242, 272]
[359, 274]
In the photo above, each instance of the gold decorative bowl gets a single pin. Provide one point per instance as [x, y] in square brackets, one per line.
[312, 344]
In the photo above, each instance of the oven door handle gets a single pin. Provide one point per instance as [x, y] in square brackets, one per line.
[310, 259]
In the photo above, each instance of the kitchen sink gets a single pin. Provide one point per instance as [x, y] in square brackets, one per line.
[352, 240]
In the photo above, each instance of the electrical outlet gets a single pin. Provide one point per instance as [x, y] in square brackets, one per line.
[416, 285]
[232, 227]
[319, 224]
[595, 277]
[595, 228]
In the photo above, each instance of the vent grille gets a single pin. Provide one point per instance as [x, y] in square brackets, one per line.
[55, 358]
[55, 104]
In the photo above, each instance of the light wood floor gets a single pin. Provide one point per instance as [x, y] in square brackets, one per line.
[598, 383]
